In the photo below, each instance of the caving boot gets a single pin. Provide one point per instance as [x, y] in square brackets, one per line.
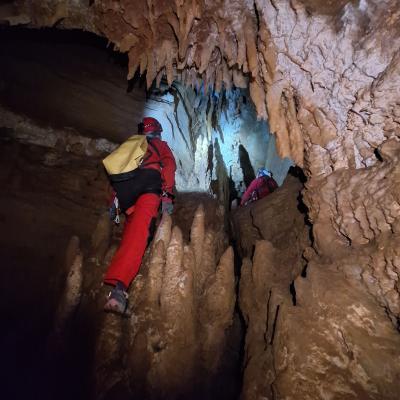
[117, 301]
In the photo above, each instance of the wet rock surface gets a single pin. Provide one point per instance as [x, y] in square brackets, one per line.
[337, 342]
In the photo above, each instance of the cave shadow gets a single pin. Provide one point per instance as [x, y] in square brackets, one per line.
[234, 195]
[298, 173]
[138, 80]
[29, 303]
[245, 164]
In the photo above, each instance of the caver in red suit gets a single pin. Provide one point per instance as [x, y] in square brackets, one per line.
[140, 201]
[260, 187]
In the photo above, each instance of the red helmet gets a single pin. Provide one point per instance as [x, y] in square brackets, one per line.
[151, 125]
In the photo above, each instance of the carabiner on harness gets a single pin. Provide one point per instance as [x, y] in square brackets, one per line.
[115, 211]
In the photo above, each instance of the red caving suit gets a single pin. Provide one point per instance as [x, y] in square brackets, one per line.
[126, 262]
[258, 188]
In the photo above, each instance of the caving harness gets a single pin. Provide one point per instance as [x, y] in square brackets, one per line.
[128, 173]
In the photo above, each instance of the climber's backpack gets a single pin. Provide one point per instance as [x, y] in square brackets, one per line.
[126, 158]
[126, 176]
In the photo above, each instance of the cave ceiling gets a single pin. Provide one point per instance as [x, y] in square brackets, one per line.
[321, 72]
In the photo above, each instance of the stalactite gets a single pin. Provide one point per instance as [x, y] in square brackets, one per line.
[272, 45]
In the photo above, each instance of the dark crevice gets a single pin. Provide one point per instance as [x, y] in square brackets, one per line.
[304, 272]
[257, 16]
[301, 206]
[267, 320]
[378, 155]
[210, 158]
[292, 290]
[245, 164]
[275, 325]
[297, 172]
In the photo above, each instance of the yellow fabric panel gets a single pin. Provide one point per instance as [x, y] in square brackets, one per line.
[126, 157]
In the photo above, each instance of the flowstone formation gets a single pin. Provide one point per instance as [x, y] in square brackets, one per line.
[318, 325]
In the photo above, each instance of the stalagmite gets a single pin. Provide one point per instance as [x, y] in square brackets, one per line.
[172, 274]
[101, 238]
[173, 331]
[176, 364]
[260, 290]
[197, 234]
[164, 230]
[216, 311]
[109, 352]
[156, 270]
[208, 262]
[70, 298]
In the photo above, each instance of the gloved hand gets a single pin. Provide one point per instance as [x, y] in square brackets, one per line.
[167, 205]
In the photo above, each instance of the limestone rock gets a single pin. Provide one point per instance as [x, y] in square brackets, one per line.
[335, 343]
[175, 340]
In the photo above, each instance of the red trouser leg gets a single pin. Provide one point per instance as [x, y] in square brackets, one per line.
[126, 262]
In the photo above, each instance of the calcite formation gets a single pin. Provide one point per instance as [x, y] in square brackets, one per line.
[182, 307]
[329, 330]
[319, 73]
[277, 220]
[336, 343]
[70, 299]
[359, 211]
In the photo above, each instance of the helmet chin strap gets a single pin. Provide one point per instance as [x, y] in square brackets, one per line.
[153, 135]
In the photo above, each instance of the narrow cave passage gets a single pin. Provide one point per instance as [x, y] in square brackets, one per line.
[64, 104]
